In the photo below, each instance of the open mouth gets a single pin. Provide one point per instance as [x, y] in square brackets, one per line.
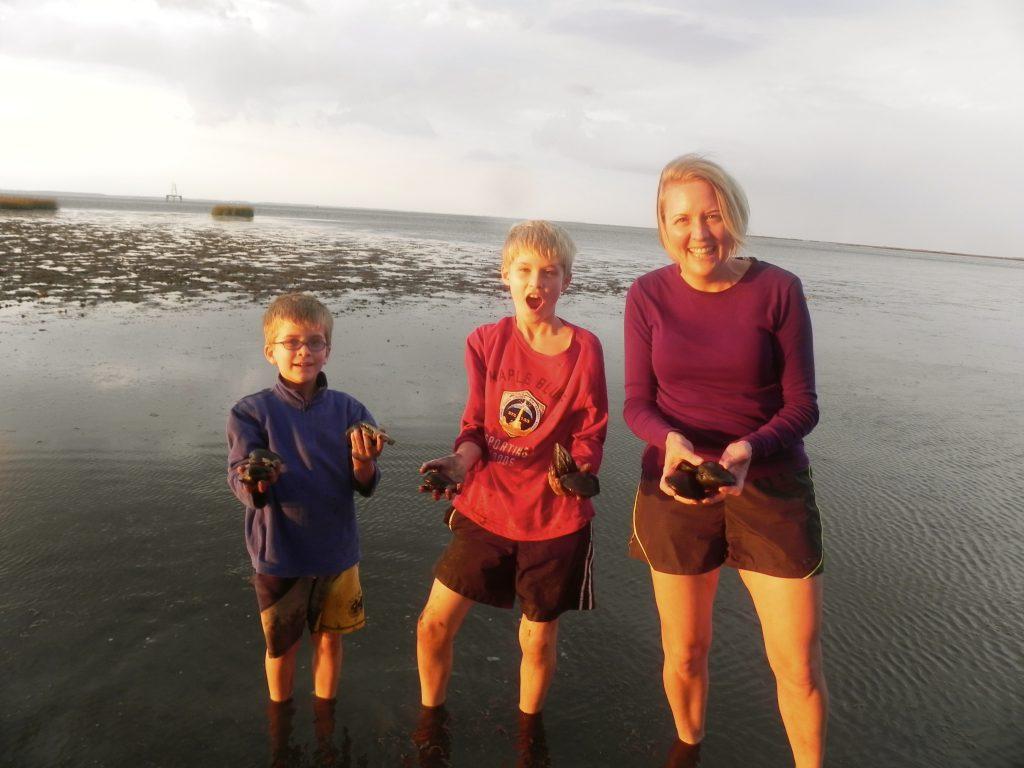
[534, 302]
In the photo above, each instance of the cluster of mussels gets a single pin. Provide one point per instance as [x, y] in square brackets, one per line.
[581, 484]
[699, 482]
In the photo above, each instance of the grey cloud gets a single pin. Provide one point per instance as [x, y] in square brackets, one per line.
[488, 156]
[617, 145]
[229, 8]
[391, 117]
[660, 33]
[226, 67]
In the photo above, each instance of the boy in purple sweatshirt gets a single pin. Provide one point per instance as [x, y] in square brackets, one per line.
[300, 525]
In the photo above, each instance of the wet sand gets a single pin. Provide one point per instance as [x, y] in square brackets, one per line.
[133, 631]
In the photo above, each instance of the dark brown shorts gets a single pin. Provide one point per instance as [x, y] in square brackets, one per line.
[549, 577]
[773, 527]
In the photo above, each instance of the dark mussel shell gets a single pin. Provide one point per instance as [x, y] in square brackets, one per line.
[435, 481]
[371, 431]
[562, 461]
[713, 475]
[582, 484]
[683, 482]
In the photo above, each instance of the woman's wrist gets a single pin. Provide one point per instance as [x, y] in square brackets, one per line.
[746, 447]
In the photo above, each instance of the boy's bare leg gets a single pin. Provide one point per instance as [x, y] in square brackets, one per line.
[281, 673]
[539, 641]
[326, 663]
[684, 606]
[435, 639]
[790, 613]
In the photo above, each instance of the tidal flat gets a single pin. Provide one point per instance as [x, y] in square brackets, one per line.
[130, 629]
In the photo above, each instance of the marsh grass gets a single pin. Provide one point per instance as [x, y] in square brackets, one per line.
[14, 203]
[232, 211]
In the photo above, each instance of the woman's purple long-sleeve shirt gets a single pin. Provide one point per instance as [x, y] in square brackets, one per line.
[721, 367]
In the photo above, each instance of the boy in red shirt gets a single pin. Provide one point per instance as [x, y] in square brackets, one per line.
[534, 381]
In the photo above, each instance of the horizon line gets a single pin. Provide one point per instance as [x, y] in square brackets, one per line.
[161, 199]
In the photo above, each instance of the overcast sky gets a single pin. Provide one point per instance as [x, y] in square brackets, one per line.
[895, 122]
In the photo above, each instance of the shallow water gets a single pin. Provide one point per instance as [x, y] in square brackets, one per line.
[129, 629]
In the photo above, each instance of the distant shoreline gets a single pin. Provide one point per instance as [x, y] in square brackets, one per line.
[202, 201]
[886, 248]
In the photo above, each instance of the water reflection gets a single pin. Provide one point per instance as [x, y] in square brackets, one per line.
[280, 725]
[683, 755]
[433, 738]
[532, 743]
[287, 752]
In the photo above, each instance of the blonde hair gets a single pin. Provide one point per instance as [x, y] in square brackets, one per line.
[732, 202]
[542, 238]
[298, 308]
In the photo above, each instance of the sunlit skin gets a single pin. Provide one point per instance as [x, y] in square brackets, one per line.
[299, 370]
[697, 238]
[535, 284]
[789, 609]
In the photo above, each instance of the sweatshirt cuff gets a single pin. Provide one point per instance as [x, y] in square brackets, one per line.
[661, 435]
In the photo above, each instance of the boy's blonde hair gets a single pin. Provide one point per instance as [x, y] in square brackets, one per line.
[542, 238]
[298, 308]
[732, 202]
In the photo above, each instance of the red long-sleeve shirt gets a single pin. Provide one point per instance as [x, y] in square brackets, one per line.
[721, 367]
[521, 403]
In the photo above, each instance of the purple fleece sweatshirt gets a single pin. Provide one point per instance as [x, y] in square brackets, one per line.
[721, 367]
[308, 525]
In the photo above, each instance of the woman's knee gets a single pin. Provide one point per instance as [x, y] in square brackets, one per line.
[687, 659]
[798, 671]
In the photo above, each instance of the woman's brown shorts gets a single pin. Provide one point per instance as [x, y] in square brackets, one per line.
[773, 527]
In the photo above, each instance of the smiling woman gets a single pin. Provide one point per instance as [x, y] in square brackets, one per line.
[720, 367]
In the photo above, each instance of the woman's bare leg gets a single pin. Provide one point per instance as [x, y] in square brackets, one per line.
[684, 605]
[790, 614]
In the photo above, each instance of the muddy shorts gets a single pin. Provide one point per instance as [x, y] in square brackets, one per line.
[323, 603]
[549, 577]
[773, 527]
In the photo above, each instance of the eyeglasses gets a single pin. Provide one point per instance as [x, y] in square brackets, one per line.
[315, 344]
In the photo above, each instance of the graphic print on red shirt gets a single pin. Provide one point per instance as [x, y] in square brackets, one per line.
[521, 403]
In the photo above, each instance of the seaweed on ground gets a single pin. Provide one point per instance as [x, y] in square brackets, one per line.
[15, 203]
[233, 211]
